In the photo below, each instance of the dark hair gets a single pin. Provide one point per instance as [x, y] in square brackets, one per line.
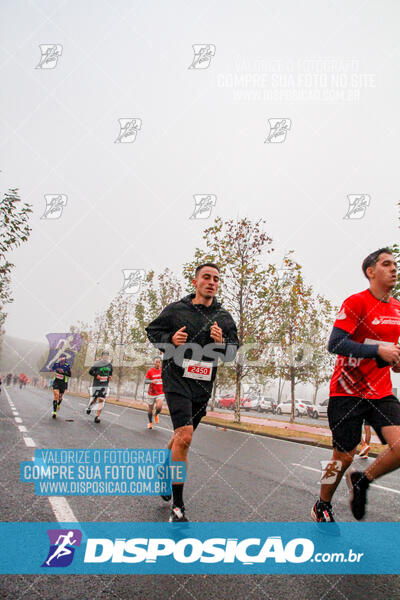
[207, 264]
[373, 258]
[63, 355]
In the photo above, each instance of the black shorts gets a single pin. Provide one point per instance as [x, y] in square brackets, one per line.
[346, 415]
[185, 411]
[59, 385]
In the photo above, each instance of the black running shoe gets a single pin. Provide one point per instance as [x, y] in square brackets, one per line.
[358, 484]
[166, 497]
[54, 415]
[178, 515]
[322, 512]
[96, 420]
[88, 411]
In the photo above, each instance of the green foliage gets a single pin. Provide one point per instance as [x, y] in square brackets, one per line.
[238, 247]
[14, 230]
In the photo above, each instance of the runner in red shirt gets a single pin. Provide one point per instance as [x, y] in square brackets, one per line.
[366, 338]
[155, 394]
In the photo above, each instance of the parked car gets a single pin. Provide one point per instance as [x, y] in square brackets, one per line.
[251, 403]
[228, 401]
[286, 408]
[283, 408]
[318, 410]
[265, 404]
[302, 406]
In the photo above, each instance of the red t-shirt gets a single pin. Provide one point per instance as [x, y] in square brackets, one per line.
[156, 387]
[369, 321]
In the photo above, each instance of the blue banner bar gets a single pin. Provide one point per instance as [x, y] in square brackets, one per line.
[224, 548]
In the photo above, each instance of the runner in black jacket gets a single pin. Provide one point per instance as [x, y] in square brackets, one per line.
[192, 333]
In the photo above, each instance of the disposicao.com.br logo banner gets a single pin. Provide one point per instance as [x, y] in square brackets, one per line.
[190, 548]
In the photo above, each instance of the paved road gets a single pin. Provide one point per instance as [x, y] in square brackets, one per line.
[233, 476]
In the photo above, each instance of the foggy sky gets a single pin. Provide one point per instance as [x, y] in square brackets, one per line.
[203, 131]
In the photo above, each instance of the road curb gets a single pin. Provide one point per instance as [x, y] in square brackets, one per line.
[299, 440]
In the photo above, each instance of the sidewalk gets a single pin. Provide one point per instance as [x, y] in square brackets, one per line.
[298, 426]
[315, 435]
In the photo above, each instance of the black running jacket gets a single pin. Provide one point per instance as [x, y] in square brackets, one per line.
[198, 319]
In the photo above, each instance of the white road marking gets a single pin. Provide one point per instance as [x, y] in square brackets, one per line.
[62, 510]
[375, 485]
[15, 413]
[106, 412]
[165, 428]
[18, 419]
[29, 442]
[307, 468]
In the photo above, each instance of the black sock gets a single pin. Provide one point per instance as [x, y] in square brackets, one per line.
[54, 405]
[158, 411]
[177, 493]
[324, 501]
[363, 481]
[150, 416]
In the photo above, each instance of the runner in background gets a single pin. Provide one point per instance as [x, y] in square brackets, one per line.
[154, 395]
[22, 380]
[365, 447]
[60, 382]
[102, 374]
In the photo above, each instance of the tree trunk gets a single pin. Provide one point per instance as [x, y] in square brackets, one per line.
[280, 389]
[292, 377]
[214, 393]
[137, 385]
[238, 393]
[316, 388]
[119, 383]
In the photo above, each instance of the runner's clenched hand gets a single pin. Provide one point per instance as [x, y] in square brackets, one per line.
[179, 336]
[390, 354]
[216, 333]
